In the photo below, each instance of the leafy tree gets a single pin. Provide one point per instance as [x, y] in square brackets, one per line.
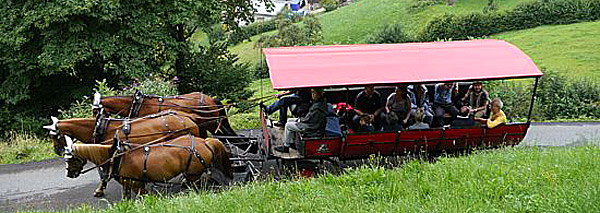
[52, 52]
[96, 39]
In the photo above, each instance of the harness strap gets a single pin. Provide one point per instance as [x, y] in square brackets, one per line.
[146, 151]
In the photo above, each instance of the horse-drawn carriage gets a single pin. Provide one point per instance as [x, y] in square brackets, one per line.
[341, 71]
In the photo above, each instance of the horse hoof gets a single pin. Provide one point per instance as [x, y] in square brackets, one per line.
[98, 194]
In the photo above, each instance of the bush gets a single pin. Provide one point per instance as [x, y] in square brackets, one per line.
[329, 5]
[416, 5]
[562, 98]
[516, 96]
[526, 15]
[214, 71]
[558, 97]
[243, 33]
[390, 34]
[290, 34]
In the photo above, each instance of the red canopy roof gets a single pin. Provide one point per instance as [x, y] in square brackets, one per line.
[366, 64]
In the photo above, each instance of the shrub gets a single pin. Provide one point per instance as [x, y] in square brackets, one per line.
[290, 34]
[562, 98]
[329, 5]
[558, 97]
[526, 15]
[252, 29]
[416, 5]
[214, 71]
[389, 34]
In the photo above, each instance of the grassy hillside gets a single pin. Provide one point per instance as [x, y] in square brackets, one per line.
[508, 180]
[352, 24]
[572, 49]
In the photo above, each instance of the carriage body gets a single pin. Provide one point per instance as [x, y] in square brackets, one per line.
[342, 70]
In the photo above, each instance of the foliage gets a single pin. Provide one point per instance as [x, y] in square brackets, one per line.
[516, 96]
[490, 7]
[329, 5]
[416, 5]
[255, 28]
[389, 34]
[153, 85]
[526, 15]
[20, 147]
[290, 34]
[214, 71]
[507, 180]
[561, 97]
[52, 52]
[558, 97]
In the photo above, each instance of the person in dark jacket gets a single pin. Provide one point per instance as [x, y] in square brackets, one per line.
[367, 102]
[300, 97]
[313, 123]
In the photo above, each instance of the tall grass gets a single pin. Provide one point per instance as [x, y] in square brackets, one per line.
[507, 180]
[19, 147]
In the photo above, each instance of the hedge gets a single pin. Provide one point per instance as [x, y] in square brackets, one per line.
[526, 15]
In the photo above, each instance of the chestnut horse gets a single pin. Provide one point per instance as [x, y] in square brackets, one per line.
[208, 109]
[187, 155]
[158, 127]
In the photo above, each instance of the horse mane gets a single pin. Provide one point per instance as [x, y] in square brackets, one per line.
[97, 153]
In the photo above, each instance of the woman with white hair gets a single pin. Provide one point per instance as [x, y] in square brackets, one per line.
[497, 117]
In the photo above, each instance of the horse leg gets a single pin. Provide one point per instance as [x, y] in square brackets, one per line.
[99, 192]
[141, 188]
[126, 189]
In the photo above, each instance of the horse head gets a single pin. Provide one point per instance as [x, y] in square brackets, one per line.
[74, 163]
[111, 105]
[56, 136]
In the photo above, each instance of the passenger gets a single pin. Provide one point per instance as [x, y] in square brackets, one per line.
[477, 99]
[419, 117]
[497, 117]
[420, 101]
[300, 97]
[313, 123]
[390, 122]
[399, 102]
[365, 124]
[442, 102]
[464, 118]
[367, 102]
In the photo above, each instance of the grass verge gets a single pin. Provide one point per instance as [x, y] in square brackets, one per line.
[506, 180]
[571, 49]
[24, 147]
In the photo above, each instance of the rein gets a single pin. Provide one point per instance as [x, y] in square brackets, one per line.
[141, 145]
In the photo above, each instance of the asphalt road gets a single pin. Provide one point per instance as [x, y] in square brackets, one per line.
[44, 186]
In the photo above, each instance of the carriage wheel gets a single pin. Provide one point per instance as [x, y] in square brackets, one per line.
[307, 169]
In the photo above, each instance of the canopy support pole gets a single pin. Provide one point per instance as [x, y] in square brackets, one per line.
[533, 97]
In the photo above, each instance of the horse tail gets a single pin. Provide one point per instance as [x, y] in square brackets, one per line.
[221, 158]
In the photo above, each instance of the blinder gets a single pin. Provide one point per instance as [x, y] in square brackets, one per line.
[136, 105]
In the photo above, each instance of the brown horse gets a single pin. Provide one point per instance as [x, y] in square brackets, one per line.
[208, 109]
[159, 127]
[187, 155]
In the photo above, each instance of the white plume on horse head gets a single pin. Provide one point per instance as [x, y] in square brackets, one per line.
[68, 147]
[96, 104]
[52, 127]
